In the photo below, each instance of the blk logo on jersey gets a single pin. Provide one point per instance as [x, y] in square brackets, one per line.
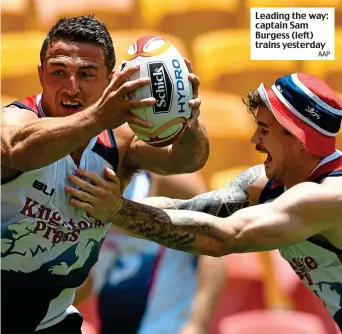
[43, 187]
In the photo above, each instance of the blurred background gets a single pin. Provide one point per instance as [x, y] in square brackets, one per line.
[215, 36]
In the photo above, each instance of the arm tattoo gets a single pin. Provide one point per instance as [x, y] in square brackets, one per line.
[179, 230]
[223, 202]
[187, 230]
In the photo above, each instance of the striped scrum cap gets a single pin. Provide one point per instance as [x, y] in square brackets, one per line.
[308, 108]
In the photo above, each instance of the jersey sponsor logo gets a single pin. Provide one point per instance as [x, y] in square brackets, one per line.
[48, 220]
[37, 242]
[303, 266]
[42, 187]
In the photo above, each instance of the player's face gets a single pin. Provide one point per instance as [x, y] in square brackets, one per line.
[73, 77]
[282, 149]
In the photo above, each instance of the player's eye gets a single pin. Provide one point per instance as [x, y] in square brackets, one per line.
[58, 72]
[86, 75]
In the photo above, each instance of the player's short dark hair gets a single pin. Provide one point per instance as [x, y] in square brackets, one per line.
[85, 28]
[253, 101]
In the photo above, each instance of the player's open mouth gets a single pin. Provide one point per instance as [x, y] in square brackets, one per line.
[71, 105]
[269, 158]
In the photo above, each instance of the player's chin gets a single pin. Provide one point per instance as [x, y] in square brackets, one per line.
[269, 168]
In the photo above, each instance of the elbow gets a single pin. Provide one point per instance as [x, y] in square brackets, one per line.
[196, 164]
[224, 247]
[218, 249]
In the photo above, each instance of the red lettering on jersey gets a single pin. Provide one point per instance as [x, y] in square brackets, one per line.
[302, 267]
[28, 206]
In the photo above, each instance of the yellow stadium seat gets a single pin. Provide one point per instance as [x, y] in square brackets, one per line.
[20, 58]
[119, 14]
[328, 70]
[122, 39]
[17, 15]
[189, 18]
[229, 128]
[222, 61]
[221, 178]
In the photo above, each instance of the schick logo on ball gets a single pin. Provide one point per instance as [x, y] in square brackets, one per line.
[161, 87]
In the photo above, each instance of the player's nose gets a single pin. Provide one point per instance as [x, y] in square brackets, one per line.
[255, 139]
[72, 85]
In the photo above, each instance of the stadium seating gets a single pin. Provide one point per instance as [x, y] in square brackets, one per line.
[118, 14]
[230, 128]
[20, 58]
[271, 322]
[17, 15]
[222, 61]
[328, 70]
[189, 18]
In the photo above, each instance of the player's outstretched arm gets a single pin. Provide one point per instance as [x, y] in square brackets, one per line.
[29, 142]
[302, 211]
[222, 202]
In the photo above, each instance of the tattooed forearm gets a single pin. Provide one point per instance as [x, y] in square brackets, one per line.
[220, 203]
[186, 231]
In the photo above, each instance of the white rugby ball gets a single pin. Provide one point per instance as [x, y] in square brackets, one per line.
[170, 86]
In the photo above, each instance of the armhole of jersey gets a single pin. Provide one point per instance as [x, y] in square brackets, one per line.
[115, 146]
[327, 246]
[22, 106]
[328, 174]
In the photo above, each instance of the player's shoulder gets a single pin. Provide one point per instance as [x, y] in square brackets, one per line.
[12, 115]
[252, 180]
[333, 184]
[326, 193]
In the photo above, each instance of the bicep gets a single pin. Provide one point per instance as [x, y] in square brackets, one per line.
[301, 212]
[261, 228]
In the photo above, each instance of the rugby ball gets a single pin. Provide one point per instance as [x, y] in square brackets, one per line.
[170, 86]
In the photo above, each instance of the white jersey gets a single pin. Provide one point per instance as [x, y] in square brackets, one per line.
[132, 275]
[317, 263]
[48, 246]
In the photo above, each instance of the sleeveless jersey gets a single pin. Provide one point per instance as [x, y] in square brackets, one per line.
[132, 276]
[318, 264]
[48, 246]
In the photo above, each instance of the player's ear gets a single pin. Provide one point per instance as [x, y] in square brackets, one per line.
[301, 146]
[40, 74]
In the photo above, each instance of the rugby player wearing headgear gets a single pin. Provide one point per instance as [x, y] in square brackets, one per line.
[298, 202]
